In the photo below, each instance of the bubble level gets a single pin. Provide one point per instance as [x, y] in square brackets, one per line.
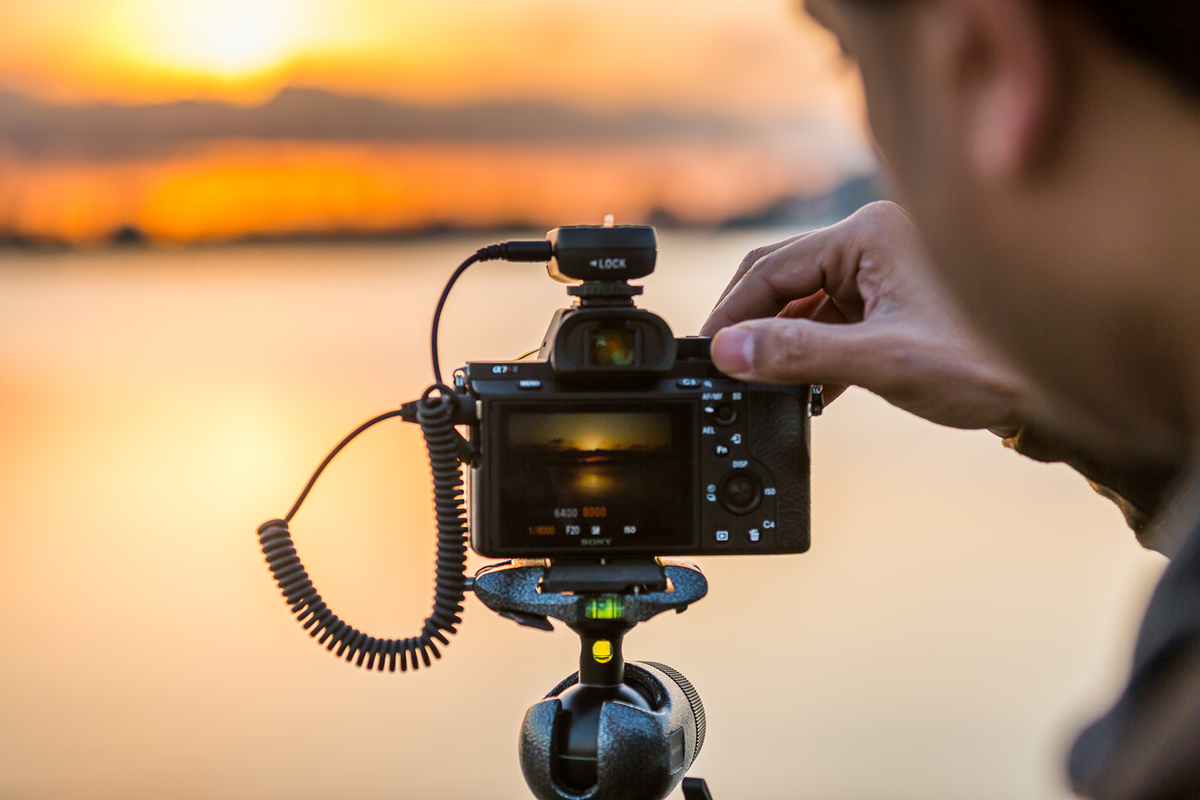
[604, 608]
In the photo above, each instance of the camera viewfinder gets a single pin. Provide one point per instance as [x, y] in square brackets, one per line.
[613, 347]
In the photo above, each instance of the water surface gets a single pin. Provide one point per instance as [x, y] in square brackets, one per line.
[961, 612]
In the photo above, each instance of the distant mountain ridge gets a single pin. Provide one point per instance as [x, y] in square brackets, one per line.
[822, 208]
[33, 128]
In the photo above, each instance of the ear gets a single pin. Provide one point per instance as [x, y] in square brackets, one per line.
[1005, 77]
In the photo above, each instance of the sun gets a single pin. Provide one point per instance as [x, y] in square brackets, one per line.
[226, 39]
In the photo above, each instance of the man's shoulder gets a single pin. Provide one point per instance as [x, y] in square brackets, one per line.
[1148, 744]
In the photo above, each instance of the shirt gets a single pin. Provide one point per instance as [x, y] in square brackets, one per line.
[1147, 746]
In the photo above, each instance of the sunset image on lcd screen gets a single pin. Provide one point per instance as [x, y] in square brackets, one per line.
[627, 473]
[629, 431]
[592, 453]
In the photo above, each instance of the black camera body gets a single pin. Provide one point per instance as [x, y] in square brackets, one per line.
[621, 440]
[590, 467]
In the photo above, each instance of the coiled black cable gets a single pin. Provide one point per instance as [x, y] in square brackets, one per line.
[436, 417]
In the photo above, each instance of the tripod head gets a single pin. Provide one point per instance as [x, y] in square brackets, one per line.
[612, 730]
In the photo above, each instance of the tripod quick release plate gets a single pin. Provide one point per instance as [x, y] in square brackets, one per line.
[528, 591]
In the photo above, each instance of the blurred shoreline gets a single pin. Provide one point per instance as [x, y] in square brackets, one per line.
[792, 211]
[310, 165]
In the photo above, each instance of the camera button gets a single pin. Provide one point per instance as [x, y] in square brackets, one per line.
[688, 383]
[741, 492]
[723, 536]
[720, 451]
[725, 414]
[529, 384]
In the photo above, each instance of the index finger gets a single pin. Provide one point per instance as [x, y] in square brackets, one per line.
[752, 257]
[797, 269]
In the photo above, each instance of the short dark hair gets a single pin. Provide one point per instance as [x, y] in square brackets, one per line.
[1163, 33]
[1166, 33]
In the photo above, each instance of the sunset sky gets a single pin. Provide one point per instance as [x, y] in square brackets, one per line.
[760, 68]
[753, 57]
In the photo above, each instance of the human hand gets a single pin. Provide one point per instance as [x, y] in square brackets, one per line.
[858, 303]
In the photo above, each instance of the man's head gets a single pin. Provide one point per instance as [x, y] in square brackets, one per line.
[1050, 152]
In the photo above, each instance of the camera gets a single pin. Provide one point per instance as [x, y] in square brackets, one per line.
[591, 468]
[620, 439]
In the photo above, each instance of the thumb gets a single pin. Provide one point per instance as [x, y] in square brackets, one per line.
[788, 351]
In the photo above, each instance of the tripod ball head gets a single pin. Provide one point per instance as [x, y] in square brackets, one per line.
[634, 741]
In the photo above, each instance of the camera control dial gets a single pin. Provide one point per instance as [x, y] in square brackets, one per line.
[740, 492]
[721, 413]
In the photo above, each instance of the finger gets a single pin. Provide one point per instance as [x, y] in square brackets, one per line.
[826, 260]
[831, 392]
[790, 351]
[752, 257]
[819, 308]
[803, 308]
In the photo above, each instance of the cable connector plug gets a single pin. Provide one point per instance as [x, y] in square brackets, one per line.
[462, 414]
[531, 251]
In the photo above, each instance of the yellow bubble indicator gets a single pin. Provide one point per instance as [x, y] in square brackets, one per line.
[604, 608]
[602, 651]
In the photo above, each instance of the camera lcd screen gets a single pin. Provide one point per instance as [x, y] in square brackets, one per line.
[598, 479]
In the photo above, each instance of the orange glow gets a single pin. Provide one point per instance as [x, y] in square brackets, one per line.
[231, 189]
[228, 38]
[758, 62]
[240, 50]
[593, 481]
[755, 57]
